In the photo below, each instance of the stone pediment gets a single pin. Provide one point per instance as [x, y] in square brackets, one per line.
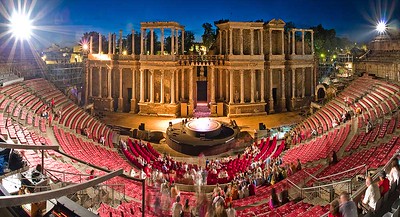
[276, 23]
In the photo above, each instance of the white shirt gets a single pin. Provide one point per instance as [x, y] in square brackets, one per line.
[393, 175]
[372, 195]
[231, 212]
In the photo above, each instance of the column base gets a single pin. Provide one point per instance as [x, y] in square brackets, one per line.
[105, 104]
[190, 108]
[283, 105]
[133, 106]
[271, 107]
[247, 109]
[120, 104]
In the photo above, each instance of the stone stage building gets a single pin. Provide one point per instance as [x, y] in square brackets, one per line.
[256, 68]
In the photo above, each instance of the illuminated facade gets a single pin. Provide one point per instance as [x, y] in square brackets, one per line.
[258, 68]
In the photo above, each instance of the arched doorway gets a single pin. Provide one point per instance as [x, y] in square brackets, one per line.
[320, 92]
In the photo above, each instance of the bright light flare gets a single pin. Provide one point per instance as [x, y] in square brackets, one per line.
[85, 47]
[21, 26]
[381, 27]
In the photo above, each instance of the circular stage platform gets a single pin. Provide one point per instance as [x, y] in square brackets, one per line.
[202, 135]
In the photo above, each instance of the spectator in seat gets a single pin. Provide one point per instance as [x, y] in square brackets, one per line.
[371, 196]
[273, 201]
[334, 209]
[252, 188]
[298, 167]
[347, 207]
[177, 208]
[394, 172]
[92, 176]
[383, 183]
[334, 159]
[102, 140]
[284, 195]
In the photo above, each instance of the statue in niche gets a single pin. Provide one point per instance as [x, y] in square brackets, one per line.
[167, 98]
[157, 97]
[236, 96]
[257, 96]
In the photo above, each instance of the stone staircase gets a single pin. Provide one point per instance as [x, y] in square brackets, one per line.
[201, 110]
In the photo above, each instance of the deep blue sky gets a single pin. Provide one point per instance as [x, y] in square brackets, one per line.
[350, 18]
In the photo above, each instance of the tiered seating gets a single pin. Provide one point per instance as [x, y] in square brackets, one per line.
[318, 148]
[89, 152]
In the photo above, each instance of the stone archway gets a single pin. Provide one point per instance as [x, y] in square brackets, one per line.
[320, 92]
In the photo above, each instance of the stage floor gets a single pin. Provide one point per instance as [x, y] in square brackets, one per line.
[154, 123]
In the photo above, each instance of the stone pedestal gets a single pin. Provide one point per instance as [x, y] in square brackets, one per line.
[190, 109]
[133, 106]
[120, 104]
[104, 104]
[283, 105]
[159, 109]
[237, 110]
[213, 109]
[220, 109]
[184, 109]
[271, 107]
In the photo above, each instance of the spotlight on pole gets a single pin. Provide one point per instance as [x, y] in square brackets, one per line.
[20, 26]
[381, 27]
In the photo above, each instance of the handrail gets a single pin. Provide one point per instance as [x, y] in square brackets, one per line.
[339, 173]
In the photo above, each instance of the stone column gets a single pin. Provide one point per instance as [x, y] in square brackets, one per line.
[141, 100]
[220, 41]
[191, 85]
[120, 99]
[162, 97]
[271, 98]
[262, 86]
[114, 43]
[172, 88]
[230, 41]
[251, 41]
[151, 41]
[176, 78]
[109, 43]
[91, 45]
[162, 41]
[133, 41]
[227, 84]
[172, 41]
[151, 85]
[226, 41]
[303, 89]
[176, 42]
[270, 41]
[241, 86]
[133, 85]
[120, 42]
[141, 41]
[212, 85]
[220, 83]
[283, 97]
[283, 42]
[312, 81]
[231, 87]
[100, 43]
[109, 83]
[293, 42]
[91, 81]
[183, 42]
[293, 83]
[262, 41]
[241, 41]
[252, 85]
[183, 84]
[302, 42]
[100, 87]
[288, 43]
[312, 42]
[86, 82]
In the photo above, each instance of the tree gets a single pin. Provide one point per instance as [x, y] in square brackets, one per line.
[188, 40]
[209, 35]
[95, 45]
[129, 43]
[289, 25]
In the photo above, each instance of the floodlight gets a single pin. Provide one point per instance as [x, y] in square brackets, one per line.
[85, 46]
[20, 26]
[381, 27]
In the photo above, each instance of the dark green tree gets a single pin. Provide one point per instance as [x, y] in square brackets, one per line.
[209, 35]
[188, 40]
[86, 39]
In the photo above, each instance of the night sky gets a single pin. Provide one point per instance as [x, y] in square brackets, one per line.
[351, 18]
